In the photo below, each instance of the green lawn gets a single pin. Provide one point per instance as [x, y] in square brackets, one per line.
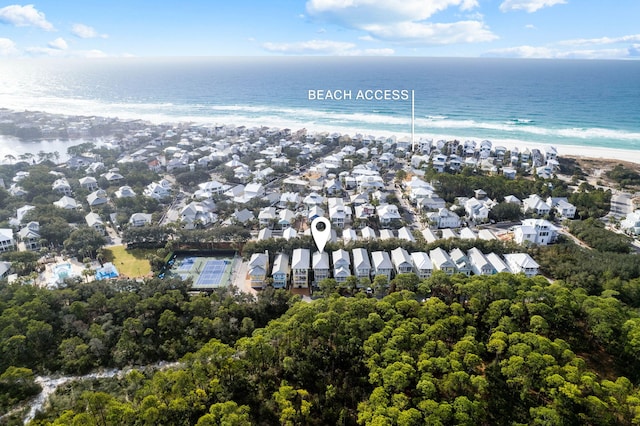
[130, 263]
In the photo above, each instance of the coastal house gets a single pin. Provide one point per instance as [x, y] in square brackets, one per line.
[461, 260]
[467, 234]
[401, 261]
[422, 265]
[286, 218]
[97, 198]
[361, 263]
[320, 266]
[339, 214]
[444, 218]
[7, 242]
[535, 231]
[140, 219]
[61, 186]
[280, 272]
[267, 216]
[158, 190]
[368, 233]
[264, 234]
[113, 176]
[497, 263]
[258, 268]
[289, 233]
[386, 234]
[300, 266]
[89, 183]
[94, 221]
[341, 265]
[479, 262]
[198, 213]
[66, 203]
[442, 261]
[405, 234]
[387, 214]
[429, 235]
[30, 236]
[125, 192]
[381, 263]
[562, 206]
[535, 204]
[349, 235]
[522, 263]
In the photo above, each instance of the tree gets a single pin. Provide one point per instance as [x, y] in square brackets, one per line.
[84, 242]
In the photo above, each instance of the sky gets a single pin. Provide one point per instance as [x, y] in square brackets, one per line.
[589, 29]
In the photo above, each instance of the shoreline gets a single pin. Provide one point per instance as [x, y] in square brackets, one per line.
[568, 150]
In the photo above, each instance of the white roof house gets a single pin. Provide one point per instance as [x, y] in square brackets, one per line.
[388, 213]
[522, 262]
[498, 264]
[289, 233]
[535, 231]
[361, 263]
[280, 272]
[66, 203]
[341, 265]
[461, 260]
[562, 206]
[535, 204]
[442, 261]
[479, 263]
[140, 219]
[405, 233]
[486, 234]
[348, 235]
[97, 198]
[94, 221]
[429, 235]
[258, 268]
[61, 186]
[386, 234]
[444, 218]
[401, 261]
[7, 241]
[125, 192]
[368, 233]
[320, 266]
[381, 263]
[300, 265]
[422, 264]
[467, 234]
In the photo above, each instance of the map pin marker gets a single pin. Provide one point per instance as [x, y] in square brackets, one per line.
[321, 232]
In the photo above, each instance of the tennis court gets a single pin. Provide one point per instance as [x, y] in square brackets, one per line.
[204, 272]
[212, 273]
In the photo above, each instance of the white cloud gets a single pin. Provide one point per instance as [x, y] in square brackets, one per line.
[633, 38]
[63, 53]
[85, 31]
[311, 47]
[530, 27]
[555, 53]
[7, 47]
[58, 43]
[433, 34]
[25, 16]
[357, 12]
[324, 47]
[529, 6]
[405, 21]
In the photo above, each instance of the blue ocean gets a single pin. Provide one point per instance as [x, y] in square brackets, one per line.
[561, 102]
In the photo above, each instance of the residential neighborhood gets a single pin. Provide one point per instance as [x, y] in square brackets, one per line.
[391, 206]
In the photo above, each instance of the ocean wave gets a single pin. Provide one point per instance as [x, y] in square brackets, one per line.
[393, 121]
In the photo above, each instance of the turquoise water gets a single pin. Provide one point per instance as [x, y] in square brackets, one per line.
[588, 103]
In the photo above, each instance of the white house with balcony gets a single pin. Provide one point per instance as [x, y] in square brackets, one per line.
[300, 266]
[258, 268]
[7, 242]
[381, 263]
[361, 263]
[280, 272]
[522, 263]
[341, 265]
[422, 265]
[444, 218]
[535, 231]
[401, 261]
